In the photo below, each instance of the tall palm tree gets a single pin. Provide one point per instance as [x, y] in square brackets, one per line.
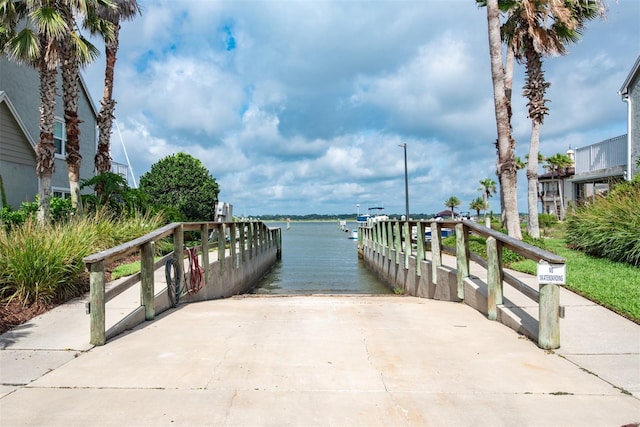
[488, 188]
[506, 166]
[534, 29]
[76, 52]
[124, 10]
[557, 166]
[32, 33]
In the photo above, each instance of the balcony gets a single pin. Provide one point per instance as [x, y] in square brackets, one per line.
[602, 160]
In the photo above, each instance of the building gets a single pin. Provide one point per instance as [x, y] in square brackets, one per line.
[20, 132]
[630, 93]
[600, 165]
[555, 189]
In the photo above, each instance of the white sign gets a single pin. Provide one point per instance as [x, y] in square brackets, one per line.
[552, 274]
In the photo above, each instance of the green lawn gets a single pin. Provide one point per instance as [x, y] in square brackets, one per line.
[610, 284]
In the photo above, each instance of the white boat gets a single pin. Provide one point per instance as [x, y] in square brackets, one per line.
[354, 234]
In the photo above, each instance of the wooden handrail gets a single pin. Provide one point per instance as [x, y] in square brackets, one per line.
[96, 263]
[399, 232]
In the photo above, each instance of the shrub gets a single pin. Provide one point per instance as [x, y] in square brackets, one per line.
[182, 182]
[608, 226]
[547, 220]
[42, 263]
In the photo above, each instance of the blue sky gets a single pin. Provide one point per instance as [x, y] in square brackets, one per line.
[298, 106]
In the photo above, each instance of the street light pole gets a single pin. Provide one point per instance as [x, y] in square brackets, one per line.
[406, 180]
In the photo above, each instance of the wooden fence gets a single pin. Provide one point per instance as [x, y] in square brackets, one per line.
[246, 240]
[399, 238]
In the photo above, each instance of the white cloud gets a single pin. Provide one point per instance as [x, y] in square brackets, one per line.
[299, 107]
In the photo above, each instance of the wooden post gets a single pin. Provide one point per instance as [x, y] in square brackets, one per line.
[279, 243]
[549, 317]
[222, 243]
[178, 255]
[397, 239]
[232, 244]
[146, 281]
[406, 231]
[389, 240]
[436, 251]
[96, 303]
[204, 231]
[494, 278]
[419, 247]
[462, 257]
[250, 239]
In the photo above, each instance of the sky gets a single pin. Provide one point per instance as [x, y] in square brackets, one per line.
[301, 106]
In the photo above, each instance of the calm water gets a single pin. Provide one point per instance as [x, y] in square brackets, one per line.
[318, 257]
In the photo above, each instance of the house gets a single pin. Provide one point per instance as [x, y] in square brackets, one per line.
[555, 189]
[630, 93]
[20, 132]
[600, 165]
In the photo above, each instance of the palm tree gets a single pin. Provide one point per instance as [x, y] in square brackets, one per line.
[76, 52]
[477, 205]
[506, 166]
[37, 43]
[557, 165]
[125, 10]
[488, 190]
[452, 202]
[534, 29]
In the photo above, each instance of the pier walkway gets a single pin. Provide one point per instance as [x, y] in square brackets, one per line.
[323, 361]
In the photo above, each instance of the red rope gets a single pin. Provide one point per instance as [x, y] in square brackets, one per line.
[196, 273]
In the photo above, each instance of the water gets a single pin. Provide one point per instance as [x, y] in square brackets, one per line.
[319, 258]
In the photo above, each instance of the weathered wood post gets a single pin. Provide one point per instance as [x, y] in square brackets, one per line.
[419, 247]
[222, 246]
[279, 243]
[250, 239]
[462, 257]
[204, 237]
[436, 251]
[389, 239]
[96, 303]
[178, 255]
[397, 239]
[232, 245]
[360, 242]
[549, 317]
[406, 231]
[146, 280]
[494, 277]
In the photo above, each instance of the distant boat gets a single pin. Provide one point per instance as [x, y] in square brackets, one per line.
[354, 234]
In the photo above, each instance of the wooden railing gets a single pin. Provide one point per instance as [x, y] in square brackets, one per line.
[245, 240]
[397, 237]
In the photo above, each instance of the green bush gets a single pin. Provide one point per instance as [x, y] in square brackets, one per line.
[608, 226]
[182, 182]
[547, 220]
[43, 263]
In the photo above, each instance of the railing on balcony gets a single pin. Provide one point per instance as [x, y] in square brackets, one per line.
[607, 154]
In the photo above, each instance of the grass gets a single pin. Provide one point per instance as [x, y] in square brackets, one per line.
[614, 285]
[43, 263]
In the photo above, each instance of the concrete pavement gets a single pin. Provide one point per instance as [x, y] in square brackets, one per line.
[320, 360]
[314, 360]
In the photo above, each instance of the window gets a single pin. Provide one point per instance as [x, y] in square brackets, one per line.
[62, 193]
[59, 137]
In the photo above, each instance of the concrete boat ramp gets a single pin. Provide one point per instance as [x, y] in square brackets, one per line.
[322, 360]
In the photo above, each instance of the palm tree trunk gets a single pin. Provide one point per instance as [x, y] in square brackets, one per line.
[72, 124]
[45, 149]
[533, 226]
[507, 171]
[107, 108]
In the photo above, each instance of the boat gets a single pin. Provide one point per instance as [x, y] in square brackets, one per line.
[369, 219]
[354, 234]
